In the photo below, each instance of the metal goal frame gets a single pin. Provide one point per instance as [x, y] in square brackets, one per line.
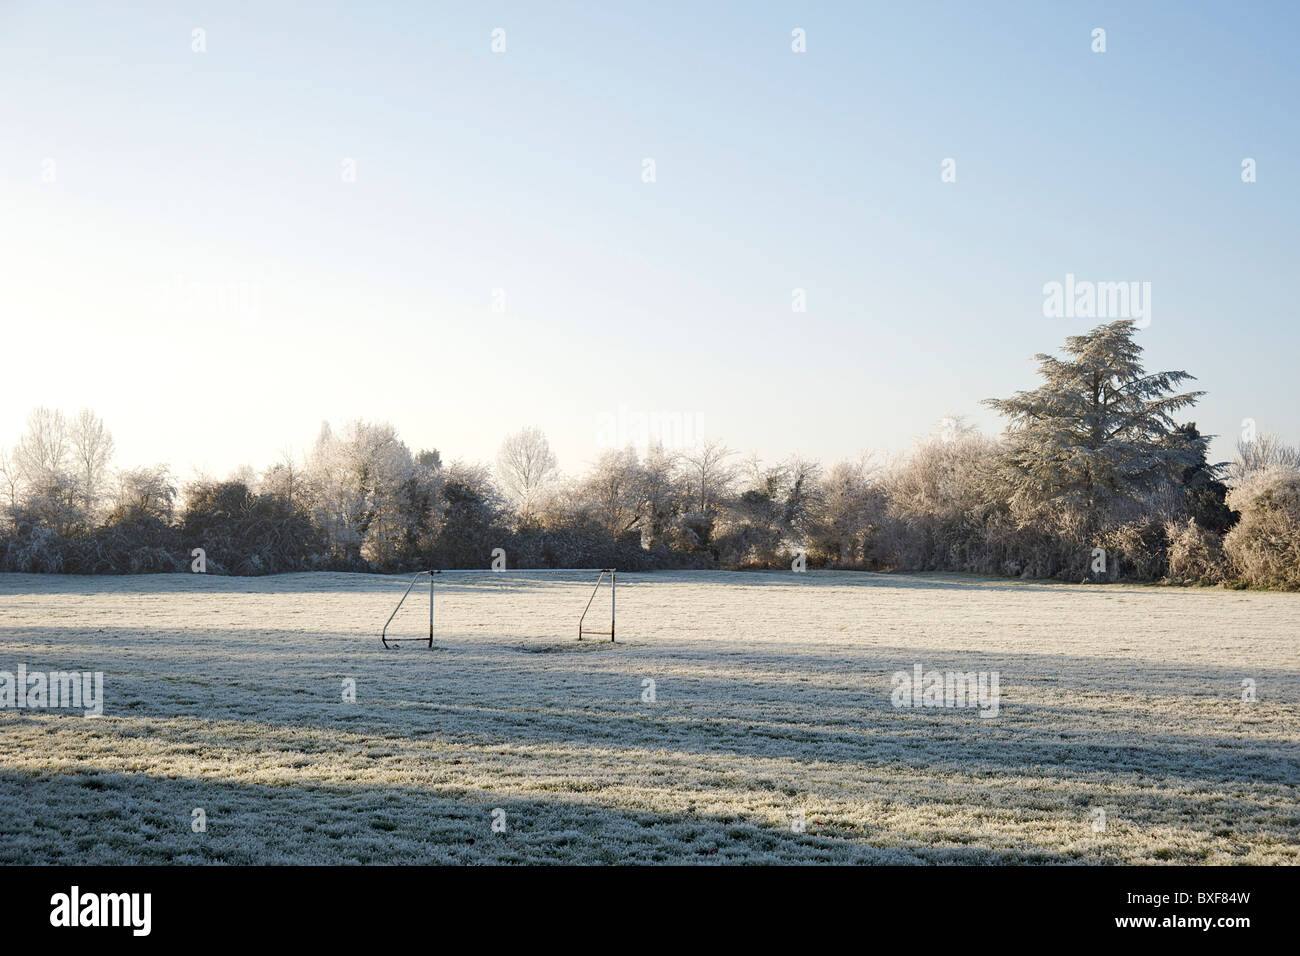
[388, 642]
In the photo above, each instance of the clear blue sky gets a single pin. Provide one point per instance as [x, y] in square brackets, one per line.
[200, 274]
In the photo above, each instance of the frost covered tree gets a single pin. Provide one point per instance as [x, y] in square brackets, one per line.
[1264, 546]
[43, 462]
[144, 494]
[624, 493]
[1200, 494]
[783, 497]
[1263, 452]
[361, 490]
[525, 467]
[803, 500]
[779, 509]
[466, 518]
[43, 452]
[1098, 434]
[10, 480]
[710, 474]
[853, 503]
[662, 499]
[285, 480]
[614, 492]
[91, 451]
[940, 501]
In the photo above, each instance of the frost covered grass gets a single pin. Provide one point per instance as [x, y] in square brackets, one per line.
[772, 699]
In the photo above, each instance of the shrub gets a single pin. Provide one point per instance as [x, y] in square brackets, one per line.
[33, 547]
[1139, 550]
[1195, 554]
[1264, 547]
[248, 534]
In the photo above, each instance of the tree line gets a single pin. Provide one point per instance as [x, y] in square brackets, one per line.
[1094, 478]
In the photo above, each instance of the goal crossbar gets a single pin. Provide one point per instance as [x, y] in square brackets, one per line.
[434, 573]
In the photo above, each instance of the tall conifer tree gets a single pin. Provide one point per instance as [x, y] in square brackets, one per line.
[1099, 432]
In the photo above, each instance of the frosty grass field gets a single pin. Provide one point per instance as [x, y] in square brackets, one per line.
[772, 697]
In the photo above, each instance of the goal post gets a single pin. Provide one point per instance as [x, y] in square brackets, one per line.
[583, 629]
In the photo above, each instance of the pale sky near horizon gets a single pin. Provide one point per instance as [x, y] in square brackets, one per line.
[180, 251]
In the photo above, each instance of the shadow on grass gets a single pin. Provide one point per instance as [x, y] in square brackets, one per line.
[592, 698]
[88, 817]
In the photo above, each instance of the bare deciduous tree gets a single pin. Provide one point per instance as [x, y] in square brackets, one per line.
[614, 490]
[42, 459]
[91, 451]
[360, 483]
[42, 453]
[711, 477]
[853, 506]
[145, 493]
[284, 479]
[1266, 451]
[525, 466]
[660, 492]
[10, 479]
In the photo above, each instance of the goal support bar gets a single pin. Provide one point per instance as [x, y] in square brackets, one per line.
[582, 631]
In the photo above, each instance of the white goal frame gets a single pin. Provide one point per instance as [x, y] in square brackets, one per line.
[432, 574]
